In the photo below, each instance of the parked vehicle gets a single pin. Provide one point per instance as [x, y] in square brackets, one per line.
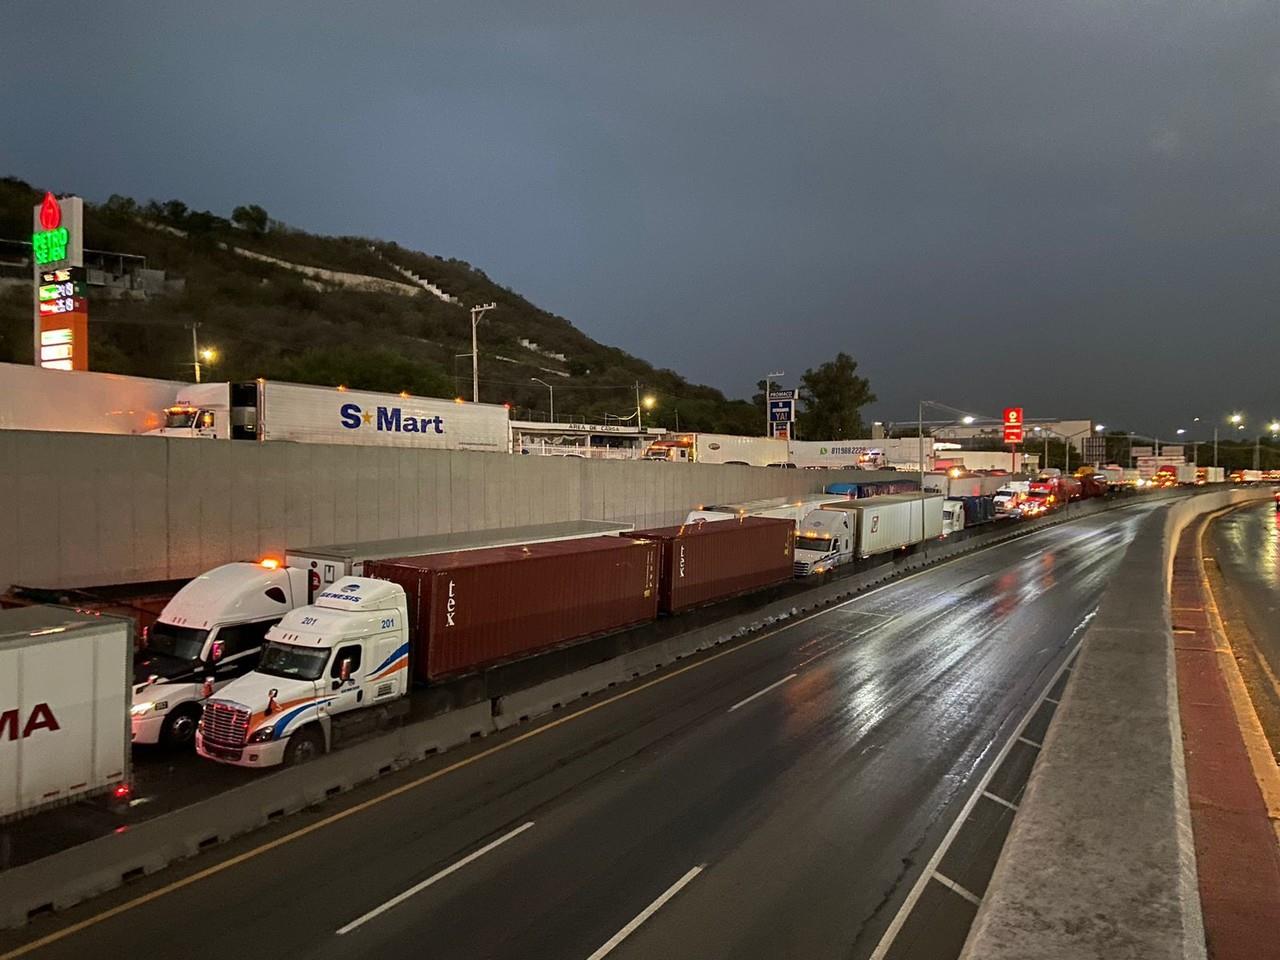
[962, 513]
[957, 483]
[895, 521]
[718, 448]
[326, 564]
[873, 488]
[269, 410]
[208, 635]
[213, 629]
[344, 662]
[825, 539]
[702, 562]
[77, 401]
[64, 694]
[794, 509]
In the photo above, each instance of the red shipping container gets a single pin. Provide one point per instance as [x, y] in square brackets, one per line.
[477, 607]
[712, 560]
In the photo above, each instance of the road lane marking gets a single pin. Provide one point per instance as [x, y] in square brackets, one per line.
[956, 888]
[1000, 800]
[219, 867]
[1030, 743]
[761, 693]
[607, 947]
[895, 925]
[435, 877]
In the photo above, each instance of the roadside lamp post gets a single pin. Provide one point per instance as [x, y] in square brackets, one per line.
[965, 418]
[552, 391]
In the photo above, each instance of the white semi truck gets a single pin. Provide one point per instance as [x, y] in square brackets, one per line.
[835, 534]
[268, 410]
[347, 652]
[718, 448]
[64, 694]
[212, 631]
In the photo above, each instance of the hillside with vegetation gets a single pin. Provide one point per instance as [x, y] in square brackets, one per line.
[271, 320]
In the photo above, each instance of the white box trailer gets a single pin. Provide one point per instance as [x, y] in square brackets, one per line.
[889, 522]
[269, 410]
[80, 401]
[965, 484]
[325, 564]
[794, 509]
[64, 706]
[718, 448]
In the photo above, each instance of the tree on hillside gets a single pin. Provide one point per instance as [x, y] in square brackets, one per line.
[833, 396]
[376, 369]
[252, 218]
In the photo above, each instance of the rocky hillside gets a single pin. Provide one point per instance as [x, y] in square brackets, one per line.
[281, 303]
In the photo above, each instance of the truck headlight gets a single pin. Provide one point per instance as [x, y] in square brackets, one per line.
[263, 736]
[138, 709]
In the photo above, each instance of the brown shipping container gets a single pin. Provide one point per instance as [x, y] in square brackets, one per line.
[477, 607]
[712, 560]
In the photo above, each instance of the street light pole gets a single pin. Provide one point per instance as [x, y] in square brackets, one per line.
[477, 314]
[552, 391]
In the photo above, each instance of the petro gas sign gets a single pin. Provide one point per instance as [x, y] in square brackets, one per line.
[388, 420]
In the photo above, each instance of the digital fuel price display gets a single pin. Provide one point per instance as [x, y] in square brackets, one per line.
[61, 291]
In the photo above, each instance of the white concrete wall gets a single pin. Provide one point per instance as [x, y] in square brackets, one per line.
[86, 510]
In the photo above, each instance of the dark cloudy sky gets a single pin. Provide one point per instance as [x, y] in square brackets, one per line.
[1072, 205]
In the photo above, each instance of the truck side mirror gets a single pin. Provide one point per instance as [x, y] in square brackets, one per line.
[344, 670]
[215, 652]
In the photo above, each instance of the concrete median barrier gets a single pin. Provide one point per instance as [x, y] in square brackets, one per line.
[1099, 862]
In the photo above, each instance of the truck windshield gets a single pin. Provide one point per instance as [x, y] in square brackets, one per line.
[293, 662]
[176, 418]
[182, 643]
[818, 544]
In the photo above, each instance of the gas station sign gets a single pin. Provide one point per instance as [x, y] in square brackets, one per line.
[1013, 425]
[61, 323]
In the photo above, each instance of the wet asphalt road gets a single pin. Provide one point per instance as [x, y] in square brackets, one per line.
[1246, 546]
[794, 785]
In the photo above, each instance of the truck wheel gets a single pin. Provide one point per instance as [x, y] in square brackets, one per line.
[304, 746]
[179, 728]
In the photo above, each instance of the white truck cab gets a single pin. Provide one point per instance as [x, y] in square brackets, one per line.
[201, 410]
[952, 516]
[324, 665]
[209, 634]
[824, 540]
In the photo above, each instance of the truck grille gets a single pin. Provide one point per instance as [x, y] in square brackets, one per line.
[801, 568]
[224, 724]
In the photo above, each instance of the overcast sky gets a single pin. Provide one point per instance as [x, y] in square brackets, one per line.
[1071, 205]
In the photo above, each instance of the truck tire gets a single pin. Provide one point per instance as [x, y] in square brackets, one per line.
[179, 729]
[304, 746]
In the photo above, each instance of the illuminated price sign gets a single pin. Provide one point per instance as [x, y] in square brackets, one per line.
[1013, 424]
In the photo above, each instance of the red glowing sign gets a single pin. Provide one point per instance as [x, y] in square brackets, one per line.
[1012, 424]
[50, 212]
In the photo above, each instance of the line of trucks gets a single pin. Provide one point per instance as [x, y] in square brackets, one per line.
[277, 661]
[33, 398]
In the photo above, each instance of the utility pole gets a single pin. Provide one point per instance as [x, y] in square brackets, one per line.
[1215, 448]
[477, 314]
[195, 349]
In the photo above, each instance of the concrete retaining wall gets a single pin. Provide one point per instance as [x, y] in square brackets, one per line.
[86, 510]
[1099, 862]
